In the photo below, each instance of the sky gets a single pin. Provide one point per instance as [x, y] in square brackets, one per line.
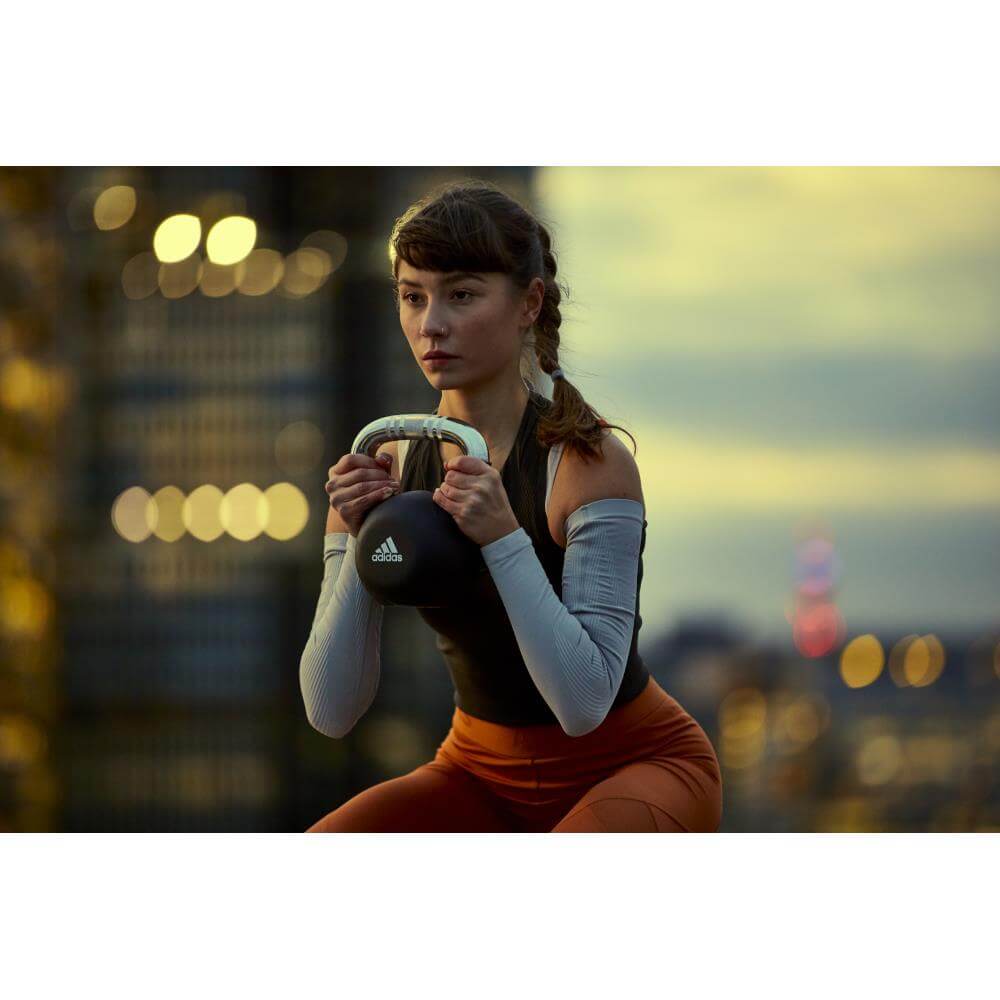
[791, 344]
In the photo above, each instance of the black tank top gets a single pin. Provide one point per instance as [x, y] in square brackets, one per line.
[476, 637]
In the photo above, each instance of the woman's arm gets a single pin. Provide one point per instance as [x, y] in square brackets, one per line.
[575, 649]
[341, 663]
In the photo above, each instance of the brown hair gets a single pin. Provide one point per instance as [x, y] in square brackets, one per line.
[473, 225]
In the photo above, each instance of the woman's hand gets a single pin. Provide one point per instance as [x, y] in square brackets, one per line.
[474, 495]
[358, 483]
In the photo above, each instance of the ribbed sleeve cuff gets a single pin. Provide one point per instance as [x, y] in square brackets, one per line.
[501, 551]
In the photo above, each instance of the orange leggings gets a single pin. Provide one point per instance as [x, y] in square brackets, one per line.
[647, 768]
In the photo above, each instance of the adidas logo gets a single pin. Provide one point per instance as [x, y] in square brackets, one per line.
[387, 552]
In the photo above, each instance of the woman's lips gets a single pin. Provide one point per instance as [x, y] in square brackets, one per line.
[438, 362]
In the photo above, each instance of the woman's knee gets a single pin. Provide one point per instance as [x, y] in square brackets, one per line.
[617, 815]
[649, 797]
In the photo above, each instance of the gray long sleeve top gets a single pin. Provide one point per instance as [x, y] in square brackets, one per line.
[575, 649]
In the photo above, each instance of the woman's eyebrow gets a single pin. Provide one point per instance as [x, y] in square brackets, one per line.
[449, 280]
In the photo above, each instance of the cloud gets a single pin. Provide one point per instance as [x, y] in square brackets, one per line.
[749, 260]
[683, 474]
[851, 399]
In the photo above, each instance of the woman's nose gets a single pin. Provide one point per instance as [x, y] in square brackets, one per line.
[432, 325]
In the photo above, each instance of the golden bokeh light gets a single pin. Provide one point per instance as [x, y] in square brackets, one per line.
[305, 270]
[897, 658]
[861, 661]
[22, 384]
[261, 272]
[114, 207]
[176, 237]
[923, 661]
[181, 278]
[804, 719]
[231, 239]
[21, 741]
[218, 280]
[879, 760]
[288, 511]
[169, 501]
[298, 447]
[26, 607]
[742, 715]
[141, 275]
[201, 515]
[244, 511]
[331, 243]
[134, 514]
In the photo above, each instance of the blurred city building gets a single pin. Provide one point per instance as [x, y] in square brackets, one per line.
[186, 352]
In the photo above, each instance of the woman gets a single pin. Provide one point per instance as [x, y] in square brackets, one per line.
[558, 726]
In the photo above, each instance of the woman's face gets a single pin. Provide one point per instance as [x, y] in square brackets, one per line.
[478, 318]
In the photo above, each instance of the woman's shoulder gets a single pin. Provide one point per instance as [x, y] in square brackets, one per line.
[613, 475]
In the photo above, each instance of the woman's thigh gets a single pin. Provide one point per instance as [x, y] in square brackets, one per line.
[651, 796]
[433, 798]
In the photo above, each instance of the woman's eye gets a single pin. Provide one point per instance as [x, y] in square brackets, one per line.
[410, 296]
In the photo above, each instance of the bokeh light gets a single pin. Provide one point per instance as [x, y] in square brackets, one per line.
[923, 661]
[22, 742]
[26, 607]
[298, 447]
[742, 715]
[231, 239]
[287, 511]
[305, 270]
[861, 661]
[181, 278]
[879, 760]
[176, 237]
[141, 275]
[244, 511]
[169, 502]
[804, 718]
[218, 280]
[817, 566]
[133, 514]
[331, 243]
[817, 629]
[114, 207]
[22, 383]
[200, 513]
[261, 272]
[897, 659]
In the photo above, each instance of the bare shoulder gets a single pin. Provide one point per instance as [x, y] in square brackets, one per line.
[333, 519]
[614, 475]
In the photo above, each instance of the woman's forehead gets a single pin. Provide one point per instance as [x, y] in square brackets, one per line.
[436, 279]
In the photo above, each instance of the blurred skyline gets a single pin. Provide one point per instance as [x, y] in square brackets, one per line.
[788, 343]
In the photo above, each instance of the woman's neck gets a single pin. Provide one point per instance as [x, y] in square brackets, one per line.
[496, 414]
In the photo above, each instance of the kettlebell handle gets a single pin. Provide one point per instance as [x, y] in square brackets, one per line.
[414, 426]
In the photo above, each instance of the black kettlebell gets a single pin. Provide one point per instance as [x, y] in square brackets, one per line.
[409, 550]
